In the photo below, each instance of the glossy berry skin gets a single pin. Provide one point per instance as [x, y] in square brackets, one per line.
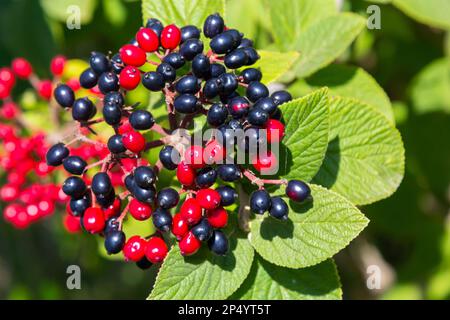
[132, 55]
[185, 174]
[155, 25]
[106, 199]
[156, 250]
[191, 48]
[189, 244]
[186, 104]
[147, 39]
[175, 59]
[265, 163]
[217, 218]
[208, 198]
[116, 63]
[111, 225]
[188, 84]
[129, 78]
[275, 130]
[7, 77]
[228, 83]
[236, 35]
[298, 191]
[64, 95]
[135, 248]
[246, 43]
[180, 226]
[114, 98]
[193, 156]
[141, 120]
[133, 141]
[113, 210]
[211, 88]
[206, 177]
[201, 67]
[83, 109]
[266, 104]
[260, 201]
[74, 187]
[167, 198]
[222, 43]
[252, 55]
[238, 107]
[144, 264]
[99, 63]
[93, 220]
[218, 243]
[217, 114]
[167, 71]
[279, 209]
[227, 195]
[203, 230]
[115, 144]
[170, 37]
[229, 172]
[101, 183]
[189, 32]
[114, 241]
[280, 97]
[169, 157]
[107, 82]
[256, 90]
[257, 117]
[146, 195]
[236, 59]
[22, 68]
[144, 176]
[191, 211]
[213, 25]
[74, 165]
[162, 219]
[79, 206]
[153, 81]
[251, 74]
[214, 152]
[56, 154]
[44, 89]
[88, 79]
[112, 114]
[139, 210]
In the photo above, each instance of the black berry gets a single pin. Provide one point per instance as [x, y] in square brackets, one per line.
[162, 219]
[74, 165]
[64, 95]
[167, 198]
[203, 230]
[256, 90]
[217, 114]
[297, 190]
[101, 183]
[141, 120]
[227, 195]
[218, 243]
[74, 187]
[213, 25]
[56, 154]
[169, 157]
[114, 241]
[260, 201]
[144, 176]
[153, 81]
[229, 172]
[88, 79]
[279, 209]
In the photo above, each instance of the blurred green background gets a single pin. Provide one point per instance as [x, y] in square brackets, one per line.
[409, 233]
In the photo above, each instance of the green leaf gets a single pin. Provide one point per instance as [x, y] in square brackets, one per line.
[326, 40]
[347, 81]
[314, 232]
[59, 9]
[181, 12]
[270, 282]
[430, 90]
[432, 12]
[204, 276]
[305, 143]
[274, 64]
[291, 18]
[365, 157]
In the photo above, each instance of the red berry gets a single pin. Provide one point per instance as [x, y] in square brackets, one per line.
[148, 40]
[133, 56]
[139, 210]
[156, 250]
[214, 152]
[185, 174]
[129, 78]
[189, 244]
[170, 37]
[71, 223]
[179, 226]
[57, 65]
[22, 68]
[275, 130]
[11, 211]
[113, 210]
[7, 77]
[135, 248]
[5, 90]
[218, 218]
[208, 198]
[45, 207]
[191, 211]
[133, 141]
[94, 220]
[74, 84]
[45, 89]
[125, 127]
[193, 156]
[9, 110]
[267, 163]
[9, 192]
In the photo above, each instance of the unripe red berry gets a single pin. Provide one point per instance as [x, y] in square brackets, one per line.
[266, 163]
[218, 218]
[7, 77]
[147, 39]
[179, 226]
[135, 248]
[193, 156]
[208, 198]
[9, 110]
[156, 250]
[57, 65]
[185, 174]
[170, 37]
[125, 127]
[189, 244]
[132, 55]
[275, 130]
[113, 210]
[71, 223]
[214, 152]
[139, 210]
[191, 211]
[45, 89]
[22, 68]
[133, 141]
[9, 192]
[94, 220]
[5, 90]
[129, 78]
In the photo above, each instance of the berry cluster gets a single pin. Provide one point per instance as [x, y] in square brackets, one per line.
[194, 84]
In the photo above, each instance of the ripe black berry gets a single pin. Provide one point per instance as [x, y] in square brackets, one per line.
[167, 198]
[115, 144]
[116, 63]
[217, 69]
[201, 67]
[155, 25]
[88, 79]
[186, 104]
[112, 114]
[211, 88]
[297, 190]
[236, 59]
[64, 96]
[107, 82]
[203, 230]
[114, 241]
[213, 25]
[99, 63]
[222, 43]
[266, 104]
[56, 154]
[101, 183]
[74, 165]
[218, 243]
[188, 84]
[217, 114]
[260, 201]
[206, 177]
[79, 205]
[279, 209]
[189, 32]
[252, 55]
[144, 264]
[144, 176]
[105, 200]
[130, 183]
[251, 140]
[83, 109]
[280, 97]
[153, 81]
[236, 35]
[256, 90]
[111, 225]
[238, 107]
[114, 97]
[229, 172]
[169, 157]
[74, 187]
[245, 43]
[228, 83]
[141, 120]
[146, 195]
[191, 48]
[167, 71]
[162, 219]
[251, 74]
[227, 195]
[257, 117]
[175, 59]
